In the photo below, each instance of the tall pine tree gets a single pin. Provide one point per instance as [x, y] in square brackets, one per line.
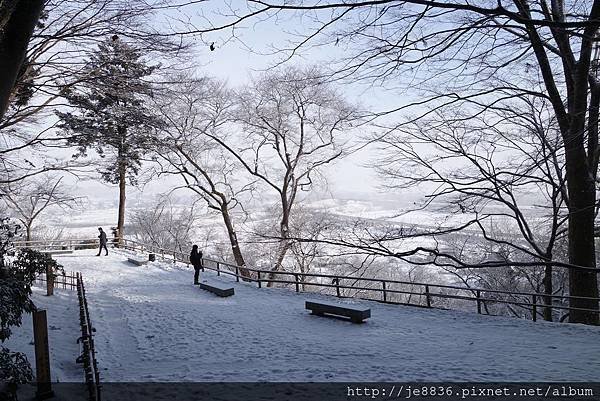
[110, 115]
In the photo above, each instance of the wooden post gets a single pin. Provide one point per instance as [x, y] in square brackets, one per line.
[427, 296]
[237, 274]
[478, 302]
[258, 280]
[218, 269]
[297, 284]
[49, 281]
[384, 292]
[337, 286]
[42, 355]
[534, 308]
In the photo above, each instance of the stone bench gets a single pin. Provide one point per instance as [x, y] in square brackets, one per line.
[222, 290]
[356, 313]
[137, 261]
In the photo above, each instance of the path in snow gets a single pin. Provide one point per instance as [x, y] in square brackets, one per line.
[154, 325]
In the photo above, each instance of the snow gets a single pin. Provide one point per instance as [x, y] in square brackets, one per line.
[62, 313]
[154, 325]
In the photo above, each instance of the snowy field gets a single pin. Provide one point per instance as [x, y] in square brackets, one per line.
[154, 325]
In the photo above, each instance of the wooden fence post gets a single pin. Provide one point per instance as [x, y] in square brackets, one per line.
[384, 292]
[478, 302]
[49, 281]
[427, 296]
[258, 280]
[297, 284]
[534, 308]
[337, 285]
[42, 355]
[237, 274]
[218, 269]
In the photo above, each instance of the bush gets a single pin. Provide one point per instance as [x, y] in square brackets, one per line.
[15, 291]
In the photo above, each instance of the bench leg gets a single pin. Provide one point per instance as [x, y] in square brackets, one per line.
[356, 320]
[317, 313]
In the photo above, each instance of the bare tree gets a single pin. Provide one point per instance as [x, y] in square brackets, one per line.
[30, 198]
[492, 173]
[306, 223]
[165, 225]
[536, 277]
[293, 124]
[196, 110]
[461, 54]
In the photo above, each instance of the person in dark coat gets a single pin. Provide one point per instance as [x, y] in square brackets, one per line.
[196, 261]
[103, 241]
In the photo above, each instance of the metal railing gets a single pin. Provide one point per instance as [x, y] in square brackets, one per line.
[88, 354]
[422, 294]
[59, 244]
[382, 289]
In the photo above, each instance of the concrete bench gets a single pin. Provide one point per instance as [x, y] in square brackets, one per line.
[222, 290]
[137, 261]
[356, 313]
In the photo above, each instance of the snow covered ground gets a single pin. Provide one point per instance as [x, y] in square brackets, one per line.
[62, 312]
[154, 325]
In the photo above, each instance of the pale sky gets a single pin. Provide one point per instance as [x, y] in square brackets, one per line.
[237, 62]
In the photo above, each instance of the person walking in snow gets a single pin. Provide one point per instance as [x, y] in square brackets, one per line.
[103, 241]
[196, 261]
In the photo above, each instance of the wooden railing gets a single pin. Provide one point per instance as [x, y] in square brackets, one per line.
[66, 281]
[383, 289]
[88, 355]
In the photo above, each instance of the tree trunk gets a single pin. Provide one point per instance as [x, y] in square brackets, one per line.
[15, 34]
[284, 245]
[548, 290]
[283, 248]
[121, 221]
[27, 233]
[582, 252]
[235, 247]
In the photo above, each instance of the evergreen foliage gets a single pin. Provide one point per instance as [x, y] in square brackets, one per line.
[110, 115]
[16, 279]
